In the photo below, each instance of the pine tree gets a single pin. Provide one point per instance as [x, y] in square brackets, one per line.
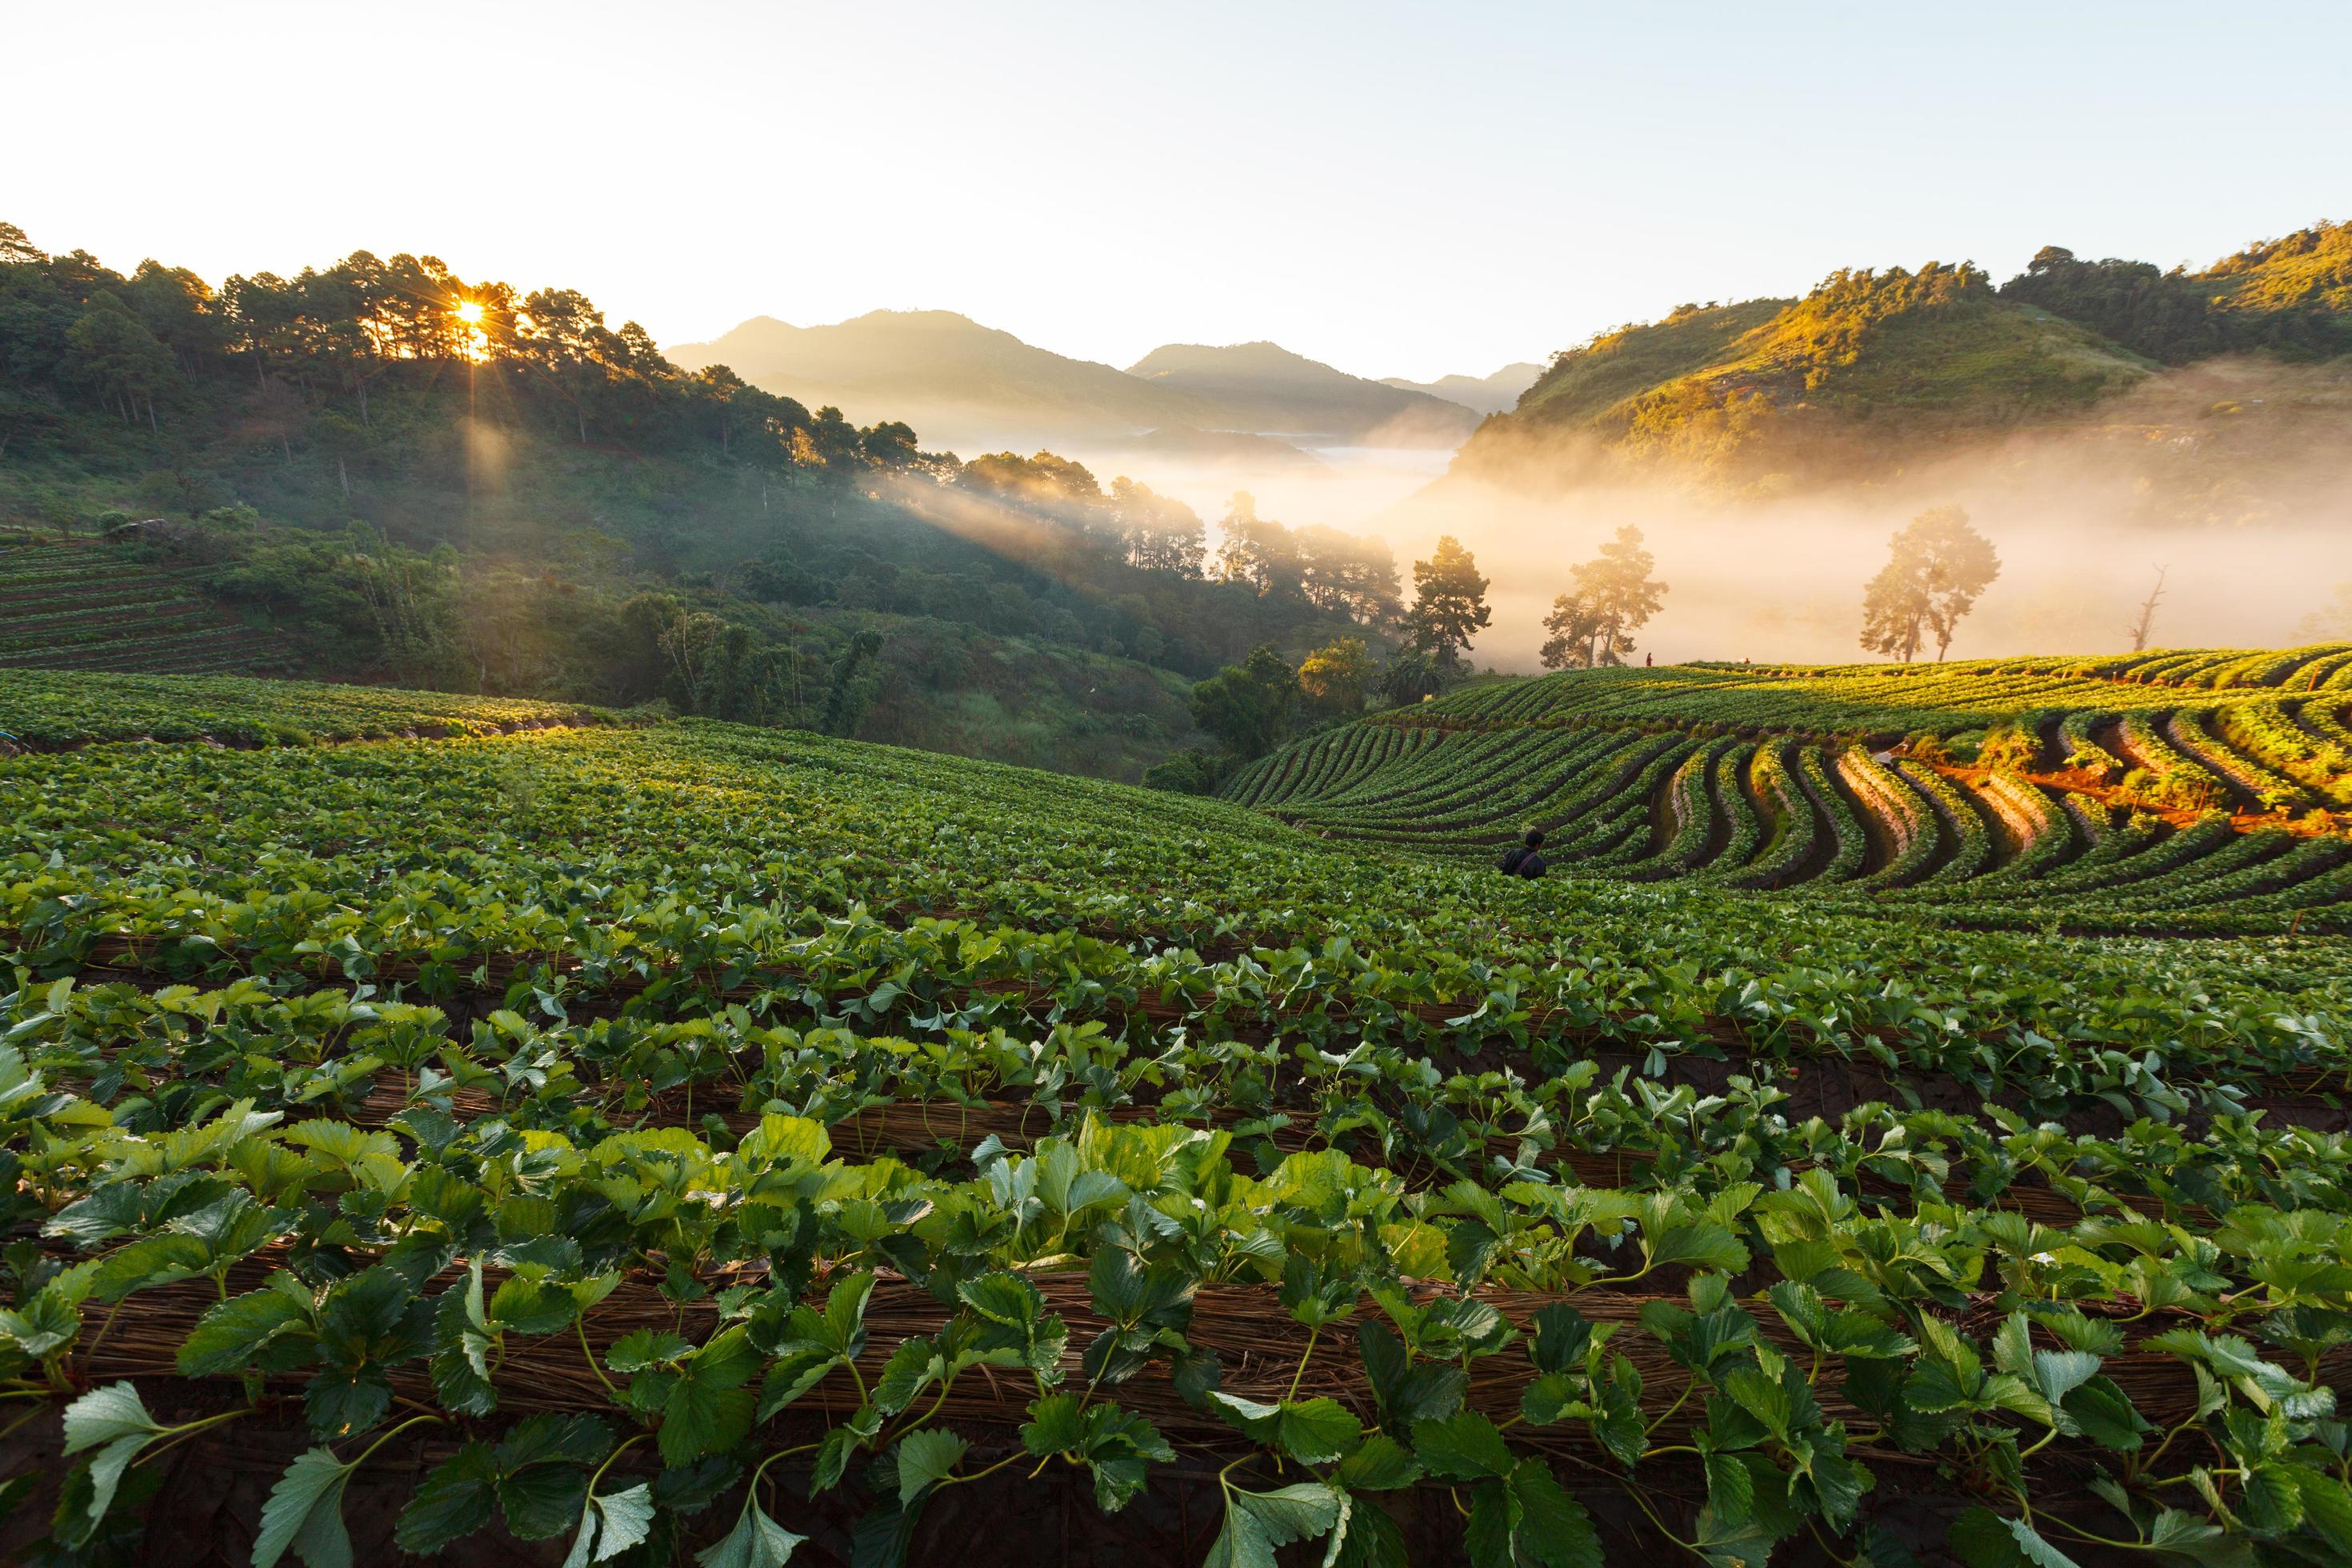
[1449, 603]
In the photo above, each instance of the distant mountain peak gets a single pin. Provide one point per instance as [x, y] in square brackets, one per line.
[948, 321]
[1495, 394]
[1172, 357]
[1269, 388]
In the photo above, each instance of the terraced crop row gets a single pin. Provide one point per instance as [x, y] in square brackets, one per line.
[2131, 815]
[81, 605]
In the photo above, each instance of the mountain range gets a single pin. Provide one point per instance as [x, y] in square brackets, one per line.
[1495, 394]
[1266, 388]
[973, 387]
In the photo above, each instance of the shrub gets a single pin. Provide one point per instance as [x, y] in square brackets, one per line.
[1191, 772]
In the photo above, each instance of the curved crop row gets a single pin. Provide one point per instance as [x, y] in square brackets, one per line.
[1796, 826]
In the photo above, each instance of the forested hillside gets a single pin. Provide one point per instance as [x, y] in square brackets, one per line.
[2290, 297]
[385, 471]
[1872, 368]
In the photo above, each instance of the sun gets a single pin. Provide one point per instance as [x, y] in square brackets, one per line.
[474, 343]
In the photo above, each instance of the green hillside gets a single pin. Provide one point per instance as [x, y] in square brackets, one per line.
[1581, 388]
[1871, 367]
[2290, 298]
[696, 1141]
[1866, 356]
[2305, 277]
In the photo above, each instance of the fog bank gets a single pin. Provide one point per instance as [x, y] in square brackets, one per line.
[2235, 475]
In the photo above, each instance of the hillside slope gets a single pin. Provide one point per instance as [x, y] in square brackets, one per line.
[81, 606]
[380, 470]
[2291, 297]
[1863, 359]
[1871, 371]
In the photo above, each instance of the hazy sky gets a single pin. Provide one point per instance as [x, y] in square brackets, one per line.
[1398, 189]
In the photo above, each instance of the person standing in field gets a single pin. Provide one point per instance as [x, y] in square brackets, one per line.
[1524, 862]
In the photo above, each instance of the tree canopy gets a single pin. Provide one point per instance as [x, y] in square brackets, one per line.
[1936, 565]
[1338, 676]
[1615, 596]
[1248, 706]
[1576, 627]
[1449, 605]
[1338, 572]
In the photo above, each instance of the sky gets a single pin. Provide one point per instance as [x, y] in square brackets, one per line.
[1398, 190]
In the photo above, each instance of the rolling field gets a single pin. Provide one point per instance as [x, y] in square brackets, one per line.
[77, 605]
[2169, 792]
[511, 1131]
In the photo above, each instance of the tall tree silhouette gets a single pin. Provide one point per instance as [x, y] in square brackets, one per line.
[1617, 593]
[1449, 602]
[1935, 568]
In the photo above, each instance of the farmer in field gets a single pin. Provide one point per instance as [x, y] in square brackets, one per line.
[1524, 862]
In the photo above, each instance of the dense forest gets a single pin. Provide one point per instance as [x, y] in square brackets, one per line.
[2291, 297]
[413, 476]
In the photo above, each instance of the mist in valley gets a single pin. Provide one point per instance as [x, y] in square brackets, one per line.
[2217, 474]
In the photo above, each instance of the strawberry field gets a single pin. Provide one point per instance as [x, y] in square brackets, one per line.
[481, 1131]
[84, 606]
[2204, 793]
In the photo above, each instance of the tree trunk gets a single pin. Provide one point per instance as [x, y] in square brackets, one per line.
[150, 416]
[363, 412]
[581, 414]
[344, 476]
[287, 444]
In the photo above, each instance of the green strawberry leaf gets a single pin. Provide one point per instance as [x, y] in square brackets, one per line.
[610, 1524]
[925, 1458]
[106, 1415]
[1464, 1448]
[305, 1514]
[457, 1500]
[756, 1542]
